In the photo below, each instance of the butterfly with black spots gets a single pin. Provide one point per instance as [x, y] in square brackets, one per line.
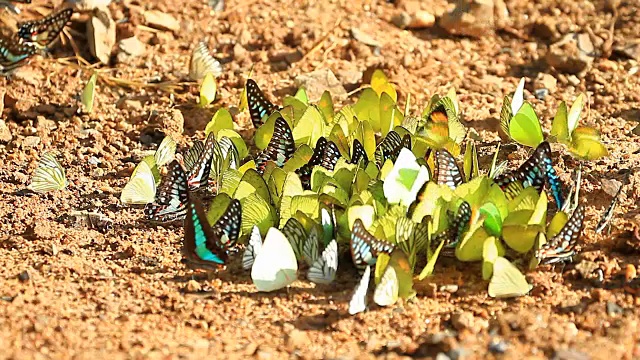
[43, 32]
[453, 234]
[259, 106]
[171, 199]
[365, 247]
[562, 247]
[14, 53]
[390, 146]
[198, 162]
[535, 171]
[358, 153]
[280, 148]
[447, 170]
[325, 154]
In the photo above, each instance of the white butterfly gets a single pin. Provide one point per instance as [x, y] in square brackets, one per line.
[275, 266]
[202, 63]
[323, 270]
[253, 248]
[358, 301]
[166, 151]
[49, 175]
[141, 188]
[310, 249]
[386, 292]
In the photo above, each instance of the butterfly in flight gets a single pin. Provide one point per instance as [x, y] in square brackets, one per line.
[562, 247]
[365, 247]
[205, 246]
[326, 154]
[43, 32]
[259, 106]
[447, 170]
[535, 171]
[171, 199]
[280, 148]
[14, 53]
[358, 153]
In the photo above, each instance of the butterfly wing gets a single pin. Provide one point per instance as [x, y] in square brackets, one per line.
[193, 154]
[14, 53]
[166, 151]
[280, 148]
[259, 106]
[453, 234]
[562, 247]
[202, 62]
[388, 147]
[275, 266]
[330, 156]
[170, 202]
[386, 292]
[49, 175]
[228, 226]
[358, 301]
[202, 247]
[43, 32]
[305, 171]
[295, 233]
[198, 176]
[323, 270]
[310, 249]
[447, 170]
[365, 247]
[358, 153]
[253, 248]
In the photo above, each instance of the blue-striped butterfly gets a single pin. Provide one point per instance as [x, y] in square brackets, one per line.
[365, 247]
[43, 32]
[453, 234]
[390, 146]
[447, 170]
[536, 171]
[326, 154]
[259, 106]
[205, 246]
[562, 247]
[280, 148]
[171, 199]
[14, 53]
[358, 153]
[198, 171]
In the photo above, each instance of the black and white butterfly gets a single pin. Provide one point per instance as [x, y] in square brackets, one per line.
[358, 302]
[43, 32]
[447, 170]
[324, 268]
[202, 62]
[229, 224]
[259, 106]
[199, 161]
[280, 148]
[325, 154]
[365, 247]
[389, 148]
[171, 199]
[562, 247]
[252, 249]
[535, 171]
[453, 234]
[297, 236]
[358, 153]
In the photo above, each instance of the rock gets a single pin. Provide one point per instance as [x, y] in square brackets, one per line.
[498, 346]
[573, 80]
[364, 38]
[419, 20]
[546, 81]
[630, 49]
[161, 20]
[297, 339]
[466, 320]
[5, 133]
[546, 28]
[31, 141]
[101, 33]
[193, 286]
[570, 354]
[85, 5]
[541, 94]
[171, 123]
[318, 81]
[473, 18]
[451, 288]
[573, 54]
[2, 93]
[240, 53]
[402, 20]
[614, 309]
[635, 131]
[130, 105]
[442, 356]
[130, 47]
[24, 276]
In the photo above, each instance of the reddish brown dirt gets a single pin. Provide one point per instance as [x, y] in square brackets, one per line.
[125, 294]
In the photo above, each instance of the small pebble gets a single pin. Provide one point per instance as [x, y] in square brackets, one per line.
[541, 94]
[614, 309]
[498, 346]
[24, 276]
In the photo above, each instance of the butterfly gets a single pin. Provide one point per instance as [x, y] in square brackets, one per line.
[447, 170]
[280, 148]
[199, 170]
[259, 106]
[310, 248]
[49, 175]
[141, 187]
[276, 266]
[358, 153]
[323, 270]
[390, 146]
[507, 280]
[358, 302]
[453, 234]
[608, 214]
[202, 247]
[561, 247]
[411, 237]
[535, 171]
[365, 247]
[14, 53]
[171, 199]
[253, 248]
[202, 62]
[228, 225]
[386, 293]
[43, 32]
[296, 234]
[326, 154]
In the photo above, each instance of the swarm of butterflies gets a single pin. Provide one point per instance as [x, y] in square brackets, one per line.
[321, 181]
[31, 38]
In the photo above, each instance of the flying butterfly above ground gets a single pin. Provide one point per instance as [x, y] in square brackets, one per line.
[14, 53]
[358, 301]
[253, 248]
[171, 199]
[535, 171]
[453, 234]
[43, 32]
[202, 62]
[202, 247]
[365, 247]
[280, 149]
[358, 153]
[49, 175]
[259, 106]
[562, 247]
[323, 270]
[447, 170]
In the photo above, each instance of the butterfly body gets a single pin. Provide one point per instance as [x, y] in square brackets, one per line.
[202, 246]
[358, 153]
[43, 32]
[170, 202]
[561, 247]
